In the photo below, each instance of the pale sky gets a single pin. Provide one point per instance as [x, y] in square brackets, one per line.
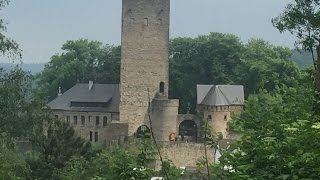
[41, 26]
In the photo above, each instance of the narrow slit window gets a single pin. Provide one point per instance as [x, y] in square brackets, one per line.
[161, 87]
[75, 120]
[90, 135]
[105, 121]
[68, 120]
[146, 21]
[97, 120]
[96, 137]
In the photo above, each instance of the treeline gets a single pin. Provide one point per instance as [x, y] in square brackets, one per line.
[209, 59]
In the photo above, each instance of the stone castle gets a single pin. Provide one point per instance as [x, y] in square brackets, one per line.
[108, 113]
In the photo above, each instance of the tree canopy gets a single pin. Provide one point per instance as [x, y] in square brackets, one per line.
[81, 61]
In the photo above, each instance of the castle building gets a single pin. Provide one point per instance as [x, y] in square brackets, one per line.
[104, 113]
[219, 103]
[92, 110]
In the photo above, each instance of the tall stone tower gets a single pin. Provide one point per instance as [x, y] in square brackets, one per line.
[144, 63]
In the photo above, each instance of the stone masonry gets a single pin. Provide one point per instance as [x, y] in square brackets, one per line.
[144, 63]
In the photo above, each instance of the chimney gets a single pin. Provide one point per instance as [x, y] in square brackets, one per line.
[59, 93]
[90, 85]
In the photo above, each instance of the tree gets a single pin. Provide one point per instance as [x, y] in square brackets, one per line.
[265, 66]
[12, 165]
[20, 116]
[222, 59]
[208, 59]
[7, 45]
[279, 139]
[52, 152]
[301, 18]
[82, 60]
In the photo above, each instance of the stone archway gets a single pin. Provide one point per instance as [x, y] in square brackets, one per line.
[188, 130]
[142, 130]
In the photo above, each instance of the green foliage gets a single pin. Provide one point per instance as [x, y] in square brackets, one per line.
[172, 171]
[222, 59]
[206, 59]
[51, 153]
[267, 67]
[279, 137]
[12, 165]
[74, 169]
[7, 45]
[301, 18]
[20, 116]
[82, 60]
[147, 151]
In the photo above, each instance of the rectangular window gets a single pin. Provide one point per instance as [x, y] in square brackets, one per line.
[68, 119]
[105, 121]
[97, 120]
[83, 120]
[75, 120]
[96, 137]
[209, 117]
[90, 134]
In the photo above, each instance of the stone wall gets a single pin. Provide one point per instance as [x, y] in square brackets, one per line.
[219, 116]
[186, 154]
[106, 133]
[144, 53]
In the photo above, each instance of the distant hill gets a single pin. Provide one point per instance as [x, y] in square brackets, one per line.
[303, 58]
[33, 68]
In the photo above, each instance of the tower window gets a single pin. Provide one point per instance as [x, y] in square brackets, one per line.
[209, 117]
[161, 87]
[75, 120]
[146, 21]
[96, 137]
[225, 117]
[90, 135]
[68, 119]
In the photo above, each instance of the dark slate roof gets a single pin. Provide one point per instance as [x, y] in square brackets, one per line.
[99, 93]
[220, 95]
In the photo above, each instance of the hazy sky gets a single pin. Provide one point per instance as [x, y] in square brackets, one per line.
[42, 26]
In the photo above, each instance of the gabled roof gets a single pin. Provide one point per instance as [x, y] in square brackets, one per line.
[80, 93]
[220, 95]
